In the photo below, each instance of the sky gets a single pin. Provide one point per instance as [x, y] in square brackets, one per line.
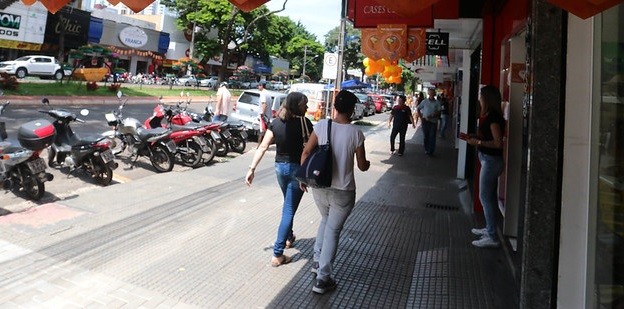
[318, 16]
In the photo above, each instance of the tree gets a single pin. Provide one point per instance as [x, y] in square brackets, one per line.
[352, 57]
[230, 24]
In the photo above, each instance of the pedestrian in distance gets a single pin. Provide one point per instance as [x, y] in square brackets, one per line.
[264, 115]
[444, 115]
[336, 202]
[489, 143]
[400, 118]
[417, 100]
[429, 112]
[288, 131]
[222, 106]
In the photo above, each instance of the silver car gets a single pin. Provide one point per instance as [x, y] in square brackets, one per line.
[248, 108]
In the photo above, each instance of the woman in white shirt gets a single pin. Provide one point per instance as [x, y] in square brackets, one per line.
[336, 202]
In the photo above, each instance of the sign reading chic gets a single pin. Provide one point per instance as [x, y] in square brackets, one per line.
[133, 37]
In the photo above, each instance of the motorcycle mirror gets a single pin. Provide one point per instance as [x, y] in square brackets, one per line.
[119, 94]
[84, 112]
[45, 101]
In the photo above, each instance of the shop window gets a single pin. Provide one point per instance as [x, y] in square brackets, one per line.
[609, 255]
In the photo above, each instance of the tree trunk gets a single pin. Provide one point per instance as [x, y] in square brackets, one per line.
[226, 41]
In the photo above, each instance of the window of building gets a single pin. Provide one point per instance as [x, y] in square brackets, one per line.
[609, 255]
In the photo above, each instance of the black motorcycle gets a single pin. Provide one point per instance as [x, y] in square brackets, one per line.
[92, 155]
[128, 132]
[234, 132]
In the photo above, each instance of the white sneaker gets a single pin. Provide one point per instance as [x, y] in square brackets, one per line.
[479, 232]
[486, 242]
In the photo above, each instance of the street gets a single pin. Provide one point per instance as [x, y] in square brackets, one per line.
[66, 185]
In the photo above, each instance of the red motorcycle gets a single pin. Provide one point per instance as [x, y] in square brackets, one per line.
[190, 141]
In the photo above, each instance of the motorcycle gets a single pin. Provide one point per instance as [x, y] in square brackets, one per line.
[233, 134]
[20, 166]
[190, 142]
[130, 133]
[92, 155]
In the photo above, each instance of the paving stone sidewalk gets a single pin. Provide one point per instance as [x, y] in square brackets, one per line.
[205, 241]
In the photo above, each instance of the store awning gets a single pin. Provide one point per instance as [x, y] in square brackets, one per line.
[585, 8]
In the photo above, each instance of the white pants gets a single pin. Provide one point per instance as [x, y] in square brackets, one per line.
[335, 207]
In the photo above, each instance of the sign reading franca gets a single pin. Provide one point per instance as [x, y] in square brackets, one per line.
[133, 37]
[437, 43]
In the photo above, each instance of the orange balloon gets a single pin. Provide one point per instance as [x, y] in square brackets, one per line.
[368, 71]
[383, 62]
[398, 80]
[366, 62]
[390, 80]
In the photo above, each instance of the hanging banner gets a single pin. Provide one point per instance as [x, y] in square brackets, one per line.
[393, 41]
[416, 44]
[247, 5]
[437, 43]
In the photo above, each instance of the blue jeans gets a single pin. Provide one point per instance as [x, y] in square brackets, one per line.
[219, 118]
[443, 124]
[292, 196]
[491, 168]
[430, 129]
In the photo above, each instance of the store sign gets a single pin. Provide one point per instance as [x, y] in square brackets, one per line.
[369, 13]
[71, 24]
[23, 24]
[437, 43]
[133, 37]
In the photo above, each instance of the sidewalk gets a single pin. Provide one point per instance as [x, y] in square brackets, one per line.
[202, 239]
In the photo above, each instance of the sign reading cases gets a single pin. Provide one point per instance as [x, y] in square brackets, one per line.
[437, 43]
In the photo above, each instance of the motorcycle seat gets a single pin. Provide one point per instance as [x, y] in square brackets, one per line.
[145, 134]
[85, 141]
[183, 127]
[12, 149]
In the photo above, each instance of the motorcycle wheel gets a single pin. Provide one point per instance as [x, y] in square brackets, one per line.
[238, 144]
[32, 185]
[102, 173]
[190, 153]
[161, 158]
[223, 148]
[212, 150]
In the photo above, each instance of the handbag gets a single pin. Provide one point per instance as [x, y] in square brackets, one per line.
[316, 170]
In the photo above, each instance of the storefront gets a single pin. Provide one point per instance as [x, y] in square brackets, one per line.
[67, 29]
[21, 30]
[591, 265]
[138, 48]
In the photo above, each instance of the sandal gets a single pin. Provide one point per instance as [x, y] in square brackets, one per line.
[290, 242]
[280, 260]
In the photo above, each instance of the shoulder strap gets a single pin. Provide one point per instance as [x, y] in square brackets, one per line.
[329, 131]
[305, 133]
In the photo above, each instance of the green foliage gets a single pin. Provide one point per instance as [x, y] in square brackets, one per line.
[352, 57]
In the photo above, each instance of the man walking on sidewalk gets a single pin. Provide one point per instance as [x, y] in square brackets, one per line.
[429, 111]
[222, 107]
[400, 117]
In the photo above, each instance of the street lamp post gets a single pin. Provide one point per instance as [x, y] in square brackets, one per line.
[305, 56]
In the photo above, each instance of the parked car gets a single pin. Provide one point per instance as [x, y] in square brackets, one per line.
[389, 101]
[43, 66]
[188, 80]
[317, 95]
[380, 103]
[210, 82]
[248, 108]
[369, 106]
[358, 112]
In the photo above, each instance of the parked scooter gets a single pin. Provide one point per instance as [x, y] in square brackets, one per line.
[92, 155]
[190, 142]
[130, 133]
[21, 167]
[238, 139]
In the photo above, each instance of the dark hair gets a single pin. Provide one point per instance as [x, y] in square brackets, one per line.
[402, 97]
[492, 98]
[262, 83]
[345, 102]
[290, 107]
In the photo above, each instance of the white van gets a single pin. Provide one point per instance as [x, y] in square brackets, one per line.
[317, 94]
[248, 108]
